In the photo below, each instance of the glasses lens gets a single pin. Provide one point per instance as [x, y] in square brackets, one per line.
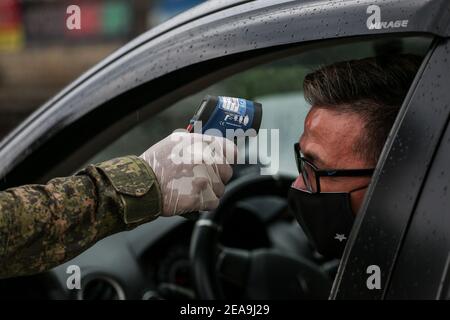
[297, 157]
[306, 170]
[305, 176]
[309, 176]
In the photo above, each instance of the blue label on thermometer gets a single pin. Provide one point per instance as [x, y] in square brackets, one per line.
[222, 113]
[231, 113]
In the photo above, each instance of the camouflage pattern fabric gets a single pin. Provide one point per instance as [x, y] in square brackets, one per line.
[42, 226]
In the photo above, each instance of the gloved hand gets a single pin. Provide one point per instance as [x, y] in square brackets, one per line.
[192, 170]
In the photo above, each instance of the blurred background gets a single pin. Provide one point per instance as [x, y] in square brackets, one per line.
[36, 46]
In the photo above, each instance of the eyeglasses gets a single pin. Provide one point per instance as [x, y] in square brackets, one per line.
[311, 174]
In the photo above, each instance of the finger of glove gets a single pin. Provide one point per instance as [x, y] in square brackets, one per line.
[218, 154]
[208, 199]
[212, 174]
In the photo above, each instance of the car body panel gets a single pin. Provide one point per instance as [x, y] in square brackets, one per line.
[379, 231]
[422, 268]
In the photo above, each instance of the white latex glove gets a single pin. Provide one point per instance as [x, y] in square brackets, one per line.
[192, 170]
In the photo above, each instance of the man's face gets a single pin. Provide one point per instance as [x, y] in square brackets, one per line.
[328, 142]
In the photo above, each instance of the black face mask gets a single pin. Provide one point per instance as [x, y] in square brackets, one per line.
[326, 219]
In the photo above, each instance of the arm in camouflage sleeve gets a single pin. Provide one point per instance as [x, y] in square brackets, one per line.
[42, 226]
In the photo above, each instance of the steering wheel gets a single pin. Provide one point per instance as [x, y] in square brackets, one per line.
[263, 273]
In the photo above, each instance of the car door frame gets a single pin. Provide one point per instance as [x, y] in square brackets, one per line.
[422, 268]
[413, 150]
[378, 235]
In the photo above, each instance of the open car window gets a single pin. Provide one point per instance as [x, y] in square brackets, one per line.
[276, 84]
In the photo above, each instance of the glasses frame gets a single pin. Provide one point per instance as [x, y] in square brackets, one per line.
[325, 173]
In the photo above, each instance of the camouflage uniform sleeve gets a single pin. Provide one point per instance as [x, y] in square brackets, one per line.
[42, 226]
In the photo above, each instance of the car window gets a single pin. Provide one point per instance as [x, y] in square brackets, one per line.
[277, 85]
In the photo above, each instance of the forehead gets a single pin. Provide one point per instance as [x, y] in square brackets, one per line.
[322, 121]
[331, 134]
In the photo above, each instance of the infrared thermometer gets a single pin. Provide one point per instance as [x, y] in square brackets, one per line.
[222, 113]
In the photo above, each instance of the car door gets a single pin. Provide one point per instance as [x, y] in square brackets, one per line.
[402, 235]
[155, 73]
[421, 270]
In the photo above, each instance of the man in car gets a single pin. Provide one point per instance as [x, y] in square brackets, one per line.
[354, 105]
[42, 226]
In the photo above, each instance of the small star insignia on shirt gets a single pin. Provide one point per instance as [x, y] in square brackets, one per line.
[340, 237]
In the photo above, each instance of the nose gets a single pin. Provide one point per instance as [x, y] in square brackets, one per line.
[299, 183]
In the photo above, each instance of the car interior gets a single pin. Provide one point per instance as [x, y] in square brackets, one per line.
[260, 252]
